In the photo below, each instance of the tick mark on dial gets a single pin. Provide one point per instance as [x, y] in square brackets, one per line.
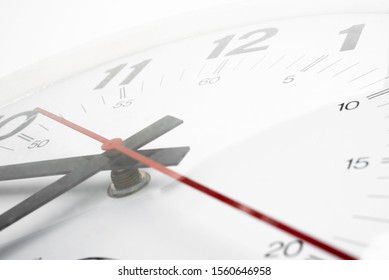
[220, 67]
[376, 82]
[162, 78]
[377, 94]
[25, 137]
[385, 160]
[45, 128]
[103, 100]
[182, 74]
[201, 70]
[277, 61]
[259, 61]
[315, 62]
[344, 70]
[237, 65]
[351, 241]
[383, 105]
[329, 66]
[5, 148]
[122, 93]
[371, 219]
[363, 75]
[294, 62]
[313, 257]
[83, 108]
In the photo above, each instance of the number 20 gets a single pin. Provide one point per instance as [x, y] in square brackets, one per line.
[290, 249]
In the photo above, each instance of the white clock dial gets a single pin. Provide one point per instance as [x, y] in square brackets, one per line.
[288, 116]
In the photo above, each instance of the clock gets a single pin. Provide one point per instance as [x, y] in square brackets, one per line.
[281, 115]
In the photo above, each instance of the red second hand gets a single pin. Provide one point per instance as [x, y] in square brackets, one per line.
[116, 144]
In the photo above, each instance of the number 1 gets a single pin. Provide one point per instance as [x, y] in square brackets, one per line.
[352, 37]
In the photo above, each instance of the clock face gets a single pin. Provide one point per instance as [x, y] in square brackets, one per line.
[288, 116]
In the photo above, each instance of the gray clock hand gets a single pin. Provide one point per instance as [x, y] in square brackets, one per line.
[152, 132]
[165, 156]
[86, 169]
[83, 171]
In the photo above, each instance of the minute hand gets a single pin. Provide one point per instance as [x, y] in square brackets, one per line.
[117, 145]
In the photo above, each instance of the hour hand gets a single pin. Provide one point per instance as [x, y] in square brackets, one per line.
[85, 170]
[165, 156]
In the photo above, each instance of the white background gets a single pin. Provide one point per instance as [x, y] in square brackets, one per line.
[33, 30]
